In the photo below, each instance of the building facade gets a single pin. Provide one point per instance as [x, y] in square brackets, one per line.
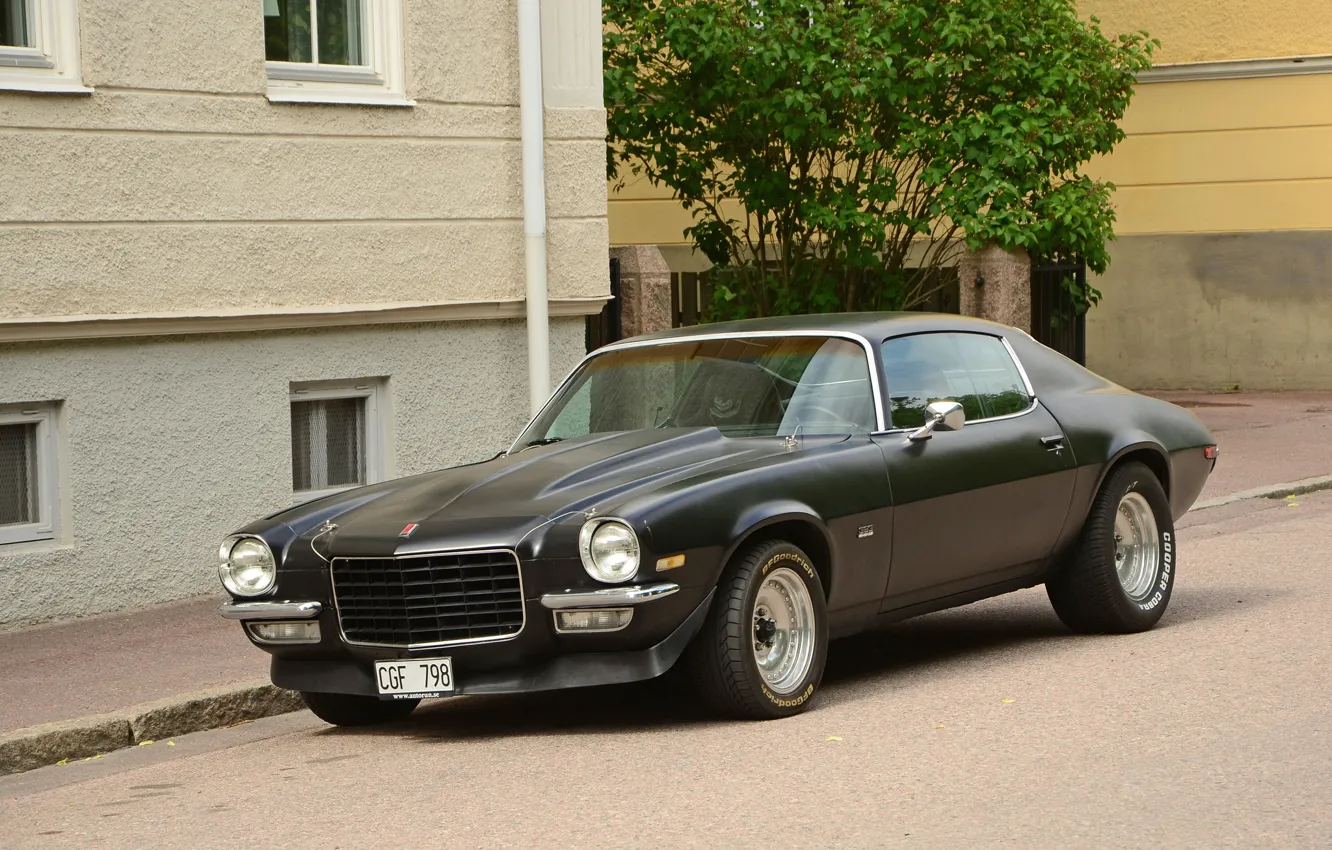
[1221, 275]
[257, 250]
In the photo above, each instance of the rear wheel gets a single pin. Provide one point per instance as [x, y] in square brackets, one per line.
[1120, 576]
[356, 710]
[761, 651]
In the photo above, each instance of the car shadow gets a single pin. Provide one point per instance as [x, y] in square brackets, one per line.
[858, 668]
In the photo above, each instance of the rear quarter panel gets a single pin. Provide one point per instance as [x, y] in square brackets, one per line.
[1104, 422]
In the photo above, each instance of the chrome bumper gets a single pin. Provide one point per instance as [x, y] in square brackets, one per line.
[270, 610]
[610, 597]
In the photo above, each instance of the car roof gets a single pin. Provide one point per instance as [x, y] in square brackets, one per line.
[871, 326]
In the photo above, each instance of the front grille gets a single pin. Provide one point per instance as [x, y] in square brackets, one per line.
[430, 599]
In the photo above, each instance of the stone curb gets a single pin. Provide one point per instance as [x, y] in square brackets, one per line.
[83, 737]
[1270, 491]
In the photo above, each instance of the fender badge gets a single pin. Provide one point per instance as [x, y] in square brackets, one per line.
[408, 531]
[865, 531]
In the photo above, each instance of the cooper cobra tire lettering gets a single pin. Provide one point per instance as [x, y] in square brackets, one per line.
[1086, 592]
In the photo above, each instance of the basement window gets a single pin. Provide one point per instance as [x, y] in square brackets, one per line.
[337, 438]
[28, 473]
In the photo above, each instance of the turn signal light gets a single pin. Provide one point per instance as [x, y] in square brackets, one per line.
[300, 631]
[671, 563]
[1210, 452]
[593, 620]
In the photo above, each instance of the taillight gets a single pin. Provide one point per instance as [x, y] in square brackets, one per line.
[1210, 452]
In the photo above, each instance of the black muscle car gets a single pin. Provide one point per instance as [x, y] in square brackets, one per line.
[728, 498]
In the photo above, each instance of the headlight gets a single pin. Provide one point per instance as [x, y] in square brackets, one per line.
[246, 566]
[609, 550]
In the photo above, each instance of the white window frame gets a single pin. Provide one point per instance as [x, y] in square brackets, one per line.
[376, 444]
[51, 65]
[48, 473]
[381, 81]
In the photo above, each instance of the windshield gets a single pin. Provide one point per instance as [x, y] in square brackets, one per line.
[745, 387]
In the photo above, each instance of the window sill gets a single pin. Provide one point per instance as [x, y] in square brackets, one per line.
[346, 95]
[40, 84]
[29, 545]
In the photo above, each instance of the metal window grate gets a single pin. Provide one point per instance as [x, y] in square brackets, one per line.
[18, 474]
[435, 599]
[328, 443]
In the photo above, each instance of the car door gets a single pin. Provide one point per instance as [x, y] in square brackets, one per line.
[979, 505]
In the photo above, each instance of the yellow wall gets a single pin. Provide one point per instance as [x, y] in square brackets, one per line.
[1224, 156]
[1218, 30]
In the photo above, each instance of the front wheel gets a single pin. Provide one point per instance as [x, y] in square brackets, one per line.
[356, 710]
[761, 651]
[1119, 578]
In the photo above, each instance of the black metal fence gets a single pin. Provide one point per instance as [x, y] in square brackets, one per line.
[604, 328]
[1055, 320]
[691, 293]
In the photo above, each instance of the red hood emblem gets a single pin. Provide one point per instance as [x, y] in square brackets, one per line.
[408, 531]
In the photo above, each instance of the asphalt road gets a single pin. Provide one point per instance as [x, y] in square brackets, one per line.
[985, 726]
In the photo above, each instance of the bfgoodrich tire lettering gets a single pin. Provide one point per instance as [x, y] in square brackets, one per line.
[1090, 594]
[357, 710]
[723, 658]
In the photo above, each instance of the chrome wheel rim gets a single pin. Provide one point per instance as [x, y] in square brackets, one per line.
[783, 630]
[1137, 546]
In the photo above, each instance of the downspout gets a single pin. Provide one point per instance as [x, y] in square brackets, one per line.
[534, 200]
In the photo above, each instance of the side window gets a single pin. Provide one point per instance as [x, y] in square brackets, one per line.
[972, 369]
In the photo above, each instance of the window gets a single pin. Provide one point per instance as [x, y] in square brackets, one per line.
[335, 51]
[39, 46]
[28, 473]
[336, 437]
[972, 369]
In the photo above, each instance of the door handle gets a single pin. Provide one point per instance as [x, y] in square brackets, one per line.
[1053, 444]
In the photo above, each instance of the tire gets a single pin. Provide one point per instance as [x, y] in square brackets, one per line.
[1088, 593]
[357, 710]
[722, 659]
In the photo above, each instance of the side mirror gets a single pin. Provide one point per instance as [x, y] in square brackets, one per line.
[940, 416]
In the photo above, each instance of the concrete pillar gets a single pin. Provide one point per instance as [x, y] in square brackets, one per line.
[645, 290]
[1004, 295]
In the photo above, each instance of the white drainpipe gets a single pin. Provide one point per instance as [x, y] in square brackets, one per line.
[534, 200]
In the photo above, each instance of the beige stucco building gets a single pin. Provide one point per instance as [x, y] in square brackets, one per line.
[249, 254]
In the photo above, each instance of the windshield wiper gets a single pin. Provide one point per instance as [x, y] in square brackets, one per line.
[544, 441]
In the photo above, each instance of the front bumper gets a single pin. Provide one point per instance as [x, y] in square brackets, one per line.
[571, 670]
[540, 657]
[270, 610]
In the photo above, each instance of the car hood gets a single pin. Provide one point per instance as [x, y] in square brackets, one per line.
[497, 502]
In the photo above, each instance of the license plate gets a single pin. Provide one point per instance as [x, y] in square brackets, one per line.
[414, 678]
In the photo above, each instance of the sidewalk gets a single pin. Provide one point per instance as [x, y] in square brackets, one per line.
[180, 667]
[82, 688]
[71, 669]
[1265, 438]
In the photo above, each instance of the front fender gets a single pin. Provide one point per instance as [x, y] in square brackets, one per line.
[755, 518]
